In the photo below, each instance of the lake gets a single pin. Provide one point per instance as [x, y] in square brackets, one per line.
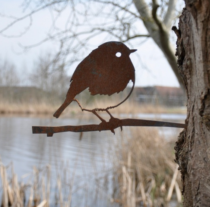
[88, 162]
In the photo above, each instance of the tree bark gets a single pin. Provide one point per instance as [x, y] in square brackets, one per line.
[193, 145]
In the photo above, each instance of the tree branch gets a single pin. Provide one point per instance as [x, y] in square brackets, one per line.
[122, 25]
[154, 15]
[170, 13]
[27, 15]
[111, 125]
[120, 7]
[159, 33]
[135, 36]
[145, 13]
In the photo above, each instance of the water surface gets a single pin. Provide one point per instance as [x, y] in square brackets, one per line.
[89, 162]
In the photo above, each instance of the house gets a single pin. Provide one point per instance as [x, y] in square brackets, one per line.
[163, 95]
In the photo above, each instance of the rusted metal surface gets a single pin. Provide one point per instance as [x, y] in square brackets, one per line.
[111, 125]
[105, 71]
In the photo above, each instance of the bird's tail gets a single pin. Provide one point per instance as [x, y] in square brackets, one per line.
[61, 108]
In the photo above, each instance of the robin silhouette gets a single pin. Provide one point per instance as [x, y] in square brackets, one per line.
[105, 71]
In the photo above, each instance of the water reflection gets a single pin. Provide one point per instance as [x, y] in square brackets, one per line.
[87, 160]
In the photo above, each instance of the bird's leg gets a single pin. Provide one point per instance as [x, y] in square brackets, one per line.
[78, 103]
[103, 122]
[109, 113]
[93, 111]
[114, 120]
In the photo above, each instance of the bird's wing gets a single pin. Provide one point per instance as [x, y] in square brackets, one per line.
[84, 68]
[82, 76]
[102, 74]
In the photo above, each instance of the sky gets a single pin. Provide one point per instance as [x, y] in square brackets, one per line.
[150, 64]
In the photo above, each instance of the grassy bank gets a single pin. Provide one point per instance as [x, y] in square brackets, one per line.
[35, 101]
[48, 108]
[147, 174]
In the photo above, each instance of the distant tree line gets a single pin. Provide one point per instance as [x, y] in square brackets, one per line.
[8, 73]
[48, 81]
[47, 73]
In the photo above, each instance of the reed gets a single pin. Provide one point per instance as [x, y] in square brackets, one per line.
[145, 170]
[38, 191]
[147, 174]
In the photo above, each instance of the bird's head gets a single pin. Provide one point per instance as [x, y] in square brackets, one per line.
[116, 49]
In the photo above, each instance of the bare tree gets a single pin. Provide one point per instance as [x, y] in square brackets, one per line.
[49, 74]
[193, 146]
[112, 19]
[8, 74]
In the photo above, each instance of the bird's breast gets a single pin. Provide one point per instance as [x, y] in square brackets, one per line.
[109, 77]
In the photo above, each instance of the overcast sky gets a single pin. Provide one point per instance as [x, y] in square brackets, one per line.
[156, 70]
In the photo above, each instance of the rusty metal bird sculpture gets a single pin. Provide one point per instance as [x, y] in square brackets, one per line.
[105, 71]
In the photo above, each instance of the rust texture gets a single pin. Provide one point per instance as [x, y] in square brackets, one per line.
[105, 71]
[111, 125]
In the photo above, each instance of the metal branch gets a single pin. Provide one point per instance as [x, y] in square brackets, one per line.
[103, 127]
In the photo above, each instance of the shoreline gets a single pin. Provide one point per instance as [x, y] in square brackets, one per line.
[47, 109]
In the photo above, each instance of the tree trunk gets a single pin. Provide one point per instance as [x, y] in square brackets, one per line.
[193, 145]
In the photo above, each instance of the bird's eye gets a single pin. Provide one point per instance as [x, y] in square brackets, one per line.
[118, 54]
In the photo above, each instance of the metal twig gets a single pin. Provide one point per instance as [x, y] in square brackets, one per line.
[103, 127]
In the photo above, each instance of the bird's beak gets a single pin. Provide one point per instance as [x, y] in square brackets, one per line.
[134, 50]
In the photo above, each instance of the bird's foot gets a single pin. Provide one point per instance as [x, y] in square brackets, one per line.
[116, 122]
[111, 125]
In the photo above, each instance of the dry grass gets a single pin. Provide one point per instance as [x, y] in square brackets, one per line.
[48, 108]
[148, 176]
[26, 108]
[37, 191]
